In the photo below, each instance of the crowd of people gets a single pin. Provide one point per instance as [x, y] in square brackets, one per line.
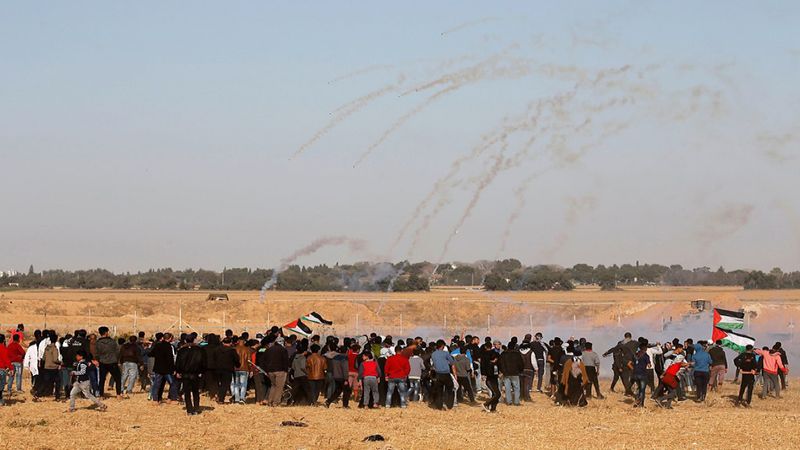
[372, 371]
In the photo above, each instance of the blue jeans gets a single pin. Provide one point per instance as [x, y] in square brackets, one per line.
[509, 383]
[94, 379]
[400, 384]
[239, 385]
[157, 390]
[130, 373]
[640, 381]
[3, 375]
[18, 375]
[413, 389]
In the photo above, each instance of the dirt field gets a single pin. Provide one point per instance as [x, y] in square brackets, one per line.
[609, 423]
[612, 423]
[430, 314]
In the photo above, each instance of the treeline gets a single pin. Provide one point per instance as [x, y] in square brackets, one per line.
[509, 274]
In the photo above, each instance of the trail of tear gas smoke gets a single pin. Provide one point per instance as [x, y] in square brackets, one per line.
[529, 123]
[774, 146]
[362, 71]
[354, 245]
[724, 222]
[487, 141]
[345, 111]
[402, 120]
[575, 207]
[469, 24]
[390, 288]
[485, 182]
[467, 76]
[565, 159]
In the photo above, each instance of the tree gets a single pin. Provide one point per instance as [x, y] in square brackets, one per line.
[30, 270]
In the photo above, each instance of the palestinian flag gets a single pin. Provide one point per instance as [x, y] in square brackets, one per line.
[728, 320]
[298, 327]
[316, 318]
[732, 340]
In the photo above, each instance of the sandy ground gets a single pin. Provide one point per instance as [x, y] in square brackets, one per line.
[439, 312]
[609, 423]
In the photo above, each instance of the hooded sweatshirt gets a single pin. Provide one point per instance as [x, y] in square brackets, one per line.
[772, 361]
[702, 360]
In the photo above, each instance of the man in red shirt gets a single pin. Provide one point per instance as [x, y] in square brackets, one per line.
[15, 354]
[397, 369]
[5, 367]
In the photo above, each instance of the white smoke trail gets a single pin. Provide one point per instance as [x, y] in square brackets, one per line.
[354, 245]
[470, 24]
[362, 71]
[345, 111]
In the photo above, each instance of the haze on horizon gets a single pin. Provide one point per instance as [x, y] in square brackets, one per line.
[207, 135]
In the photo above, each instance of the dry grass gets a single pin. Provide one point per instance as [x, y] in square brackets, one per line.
[610, 423]
[397, 313]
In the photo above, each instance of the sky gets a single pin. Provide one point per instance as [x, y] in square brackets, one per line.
[203, 134]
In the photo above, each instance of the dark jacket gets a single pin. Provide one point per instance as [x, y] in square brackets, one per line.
[129, 352]
[107, 350]
[227, 359]
[718, 356]
[163, 358]
[212, 351]
[275, 359]
[511, 364]
[338, 366]
[191, 360]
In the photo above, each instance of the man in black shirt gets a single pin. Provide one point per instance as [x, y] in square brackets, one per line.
[190, 365]
[746, 362]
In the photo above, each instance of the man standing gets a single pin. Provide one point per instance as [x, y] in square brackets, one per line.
[16, 354]
[226, 364]
[592, 362]
[540, 350]
[702, 366]
[277, 368]
[444, 368]
[772, 366]
[108, 356]
[316, 365]
[131, 360]
[5, 367]
[163, 356]
[190, 364]
[240, 376]
[782, 374]
[511, 366]
[746, 363]
[719, 364]
[627, 348]
[397, 370]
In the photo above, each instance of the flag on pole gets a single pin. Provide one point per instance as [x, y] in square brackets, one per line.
[298, 327]
[728, 320]
[316, 318]
[732, 340]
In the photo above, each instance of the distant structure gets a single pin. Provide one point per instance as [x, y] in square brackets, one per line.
[217, 297]
[9, 273]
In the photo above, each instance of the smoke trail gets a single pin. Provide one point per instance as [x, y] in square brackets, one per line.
[482, 71]
[774, 146]
[345, 111]
[724, 222]
[487, 179]
[575, 207]
[528, 123]
[470, 24]
[354, 245]
[362, 71]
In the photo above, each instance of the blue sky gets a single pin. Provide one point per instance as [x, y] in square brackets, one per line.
[159, 133]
